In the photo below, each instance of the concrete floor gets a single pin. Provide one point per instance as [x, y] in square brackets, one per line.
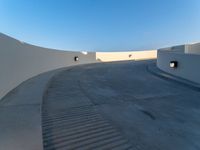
[20, 115]
[119, 106]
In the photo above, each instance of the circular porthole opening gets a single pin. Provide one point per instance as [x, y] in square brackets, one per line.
[173, 64]
[76, 58]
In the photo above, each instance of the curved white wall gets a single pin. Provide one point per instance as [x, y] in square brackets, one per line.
[188, 64]
[20, 61]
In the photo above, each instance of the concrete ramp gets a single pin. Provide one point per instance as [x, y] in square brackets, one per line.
[119, 105]
[70, 120]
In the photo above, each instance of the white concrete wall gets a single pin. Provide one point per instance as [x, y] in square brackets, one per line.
[175, 49]
[120, 56]
[20, 61]
[193, 49]
[188, 64]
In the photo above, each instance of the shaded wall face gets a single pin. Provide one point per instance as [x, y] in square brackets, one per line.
[19, 61]
[175, 49]
[188, 48]
[188, 65]
[193, 49]
[188, 59]
[178, 49]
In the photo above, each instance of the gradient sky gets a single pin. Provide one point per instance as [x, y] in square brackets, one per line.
[101, 25]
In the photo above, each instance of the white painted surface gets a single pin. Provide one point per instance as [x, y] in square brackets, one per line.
[188, 64]
[20, 61]
[175, 49]
[193, 49]
[120, 56]
[20, 114]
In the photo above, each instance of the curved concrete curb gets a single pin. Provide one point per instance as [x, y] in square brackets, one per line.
[20, 114]
[156, 71]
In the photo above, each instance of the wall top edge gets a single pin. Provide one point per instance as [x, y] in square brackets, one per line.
[16, 41]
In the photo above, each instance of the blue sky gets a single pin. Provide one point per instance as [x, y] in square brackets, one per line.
[101, 25]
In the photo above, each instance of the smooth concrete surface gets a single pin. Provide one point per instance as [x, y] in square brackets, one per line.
[122, 56]
[156, 71]
[175, 49]
[193, 48]
[20, 61]
[20, 115]
[186, 48]
[119, 105]
[188, 64]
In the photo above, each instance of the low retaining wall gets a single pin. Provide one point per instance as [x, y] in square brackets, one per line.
[188, 64]
[120, 56]
[193, 49]
[20, 61]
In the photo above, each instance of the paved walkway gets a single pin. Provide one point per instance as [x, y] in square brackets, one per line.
[119, 106]
[20, 115]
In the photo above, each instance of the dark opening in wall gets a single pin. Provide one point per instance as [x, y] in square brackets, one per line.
[173, 64]
[76, 58]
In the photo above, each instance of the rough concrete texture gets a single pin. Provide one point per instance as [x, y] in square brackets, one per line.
[187, 63]
[20, 115]
[119, 106]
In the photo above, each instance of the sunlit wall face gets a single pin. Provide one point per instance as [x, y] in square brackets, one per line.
[102, 25]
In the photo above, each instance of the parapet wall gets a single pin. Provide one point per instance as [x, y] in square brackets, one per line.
[193, 49]
[188, 63]
[20, 61]
[121, 56]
